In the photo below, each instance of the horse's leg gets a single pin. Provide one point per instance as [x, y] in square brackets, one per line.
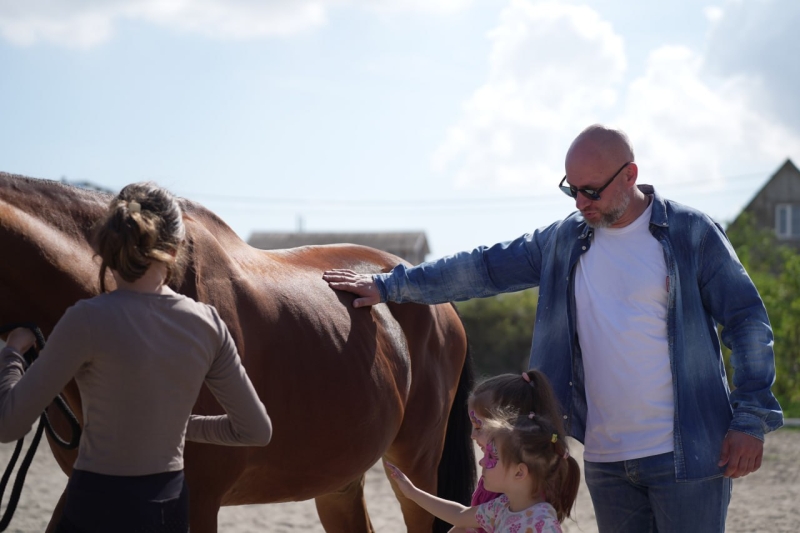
[421, 470]
[344, 510]
[56, 518]
[210, 473]
[434, 438]
[203, 513]
[421, 448]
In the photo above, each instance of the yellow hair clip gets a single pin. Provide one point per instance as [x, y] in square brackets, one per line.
[555, 438]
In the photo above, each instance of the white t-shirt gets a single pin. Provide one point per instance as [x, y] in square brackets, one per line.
[621, 292]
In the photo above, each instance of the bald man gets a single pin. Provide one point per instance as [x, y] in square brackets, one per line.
[631, 289]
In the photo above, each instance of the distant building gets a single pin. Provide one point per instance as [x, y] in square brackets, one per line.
[777, 205]
[411, 246]
[87, 185]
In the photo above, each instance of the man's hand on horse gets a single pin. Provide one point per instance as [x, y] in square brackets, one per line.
[742, 454]
[21, 339]
[360, 284]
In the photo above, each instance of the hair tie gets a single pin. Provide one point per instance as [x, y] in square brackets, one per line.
[554, 438]
[134, 206]
[566, 454]
[526, 377]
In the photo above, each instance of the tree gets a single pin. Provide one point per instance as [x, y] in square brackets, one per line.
[775, 270]
[500, 330]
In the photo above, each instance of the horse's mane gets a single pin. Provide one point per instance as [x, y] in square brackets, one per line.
[51, 200]
[70, 210]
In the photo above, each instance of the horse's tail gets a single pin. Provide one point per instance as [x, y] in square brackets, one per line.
[457, 472]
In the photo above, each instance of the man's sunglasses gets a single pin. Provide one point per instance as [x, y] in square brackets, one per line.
[592, 194]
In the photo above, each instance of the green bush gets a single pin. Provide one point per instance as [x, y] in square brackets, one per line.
[500, 331]
[775, 270]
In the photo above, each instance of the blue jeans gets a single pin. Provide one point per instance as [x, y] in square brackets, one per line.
[642, 496]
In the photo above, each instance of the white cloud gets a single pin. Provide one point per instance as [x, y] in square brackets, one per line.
[553, 68]
[687, 125]
[759, 39]
[713, 13]
[28, 22]
[86, 23]
[431, 6]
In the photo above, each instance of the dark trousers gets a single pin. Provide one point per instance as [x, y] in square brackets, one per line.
[97, 503]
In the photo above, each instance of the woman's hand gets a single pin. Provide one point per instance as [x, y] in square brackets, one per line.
[21, 339]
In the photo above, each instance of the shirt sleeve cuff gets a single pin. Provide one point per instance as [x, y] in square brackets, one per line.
[380, 282]
[749, 425]
[10, 356]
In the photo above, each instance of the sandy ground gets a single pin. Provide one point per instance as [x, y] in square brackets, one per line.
[765, 501]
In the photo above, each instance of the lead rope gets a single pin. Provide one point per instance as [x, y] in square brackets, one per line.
[44, 423]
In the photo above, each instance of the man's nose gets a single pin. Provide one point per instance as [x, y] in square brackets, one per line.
[581, 201]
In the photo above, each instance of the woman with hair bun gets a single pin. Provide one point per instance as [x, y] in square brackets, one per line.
[139, 355]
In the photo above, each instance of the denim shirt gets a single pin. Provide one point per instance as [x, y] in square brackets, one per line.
[707, 286]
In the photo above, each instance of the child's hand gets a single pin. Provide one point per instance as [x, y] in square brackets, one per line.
[403, 483]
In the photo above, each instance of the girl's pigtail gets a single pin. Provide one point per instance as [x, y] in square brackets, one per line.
[543, 400]
[563, 488]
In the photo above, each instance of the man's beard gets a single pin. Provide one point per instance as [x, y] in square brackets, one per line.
[608, 218]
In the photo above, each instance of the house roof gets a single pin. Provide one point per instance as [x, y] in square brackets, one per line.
[787, 166]
[389, 241]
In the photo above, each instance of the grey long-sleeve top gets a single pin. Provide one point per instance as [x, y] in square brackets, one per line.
[139, 360]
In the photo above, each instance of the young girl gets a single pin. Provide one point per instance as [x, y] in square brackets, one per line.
[530, 392]
[139, 354]
[529, 464]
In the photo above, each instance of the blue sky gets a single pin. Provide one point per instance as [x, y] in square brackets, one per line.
[448, 116]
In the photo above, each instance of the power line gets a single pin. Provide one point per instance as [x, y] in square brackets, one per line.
[418, 204]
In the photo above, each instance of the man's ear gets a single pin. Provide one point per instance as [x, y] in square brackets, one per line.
[631, 174]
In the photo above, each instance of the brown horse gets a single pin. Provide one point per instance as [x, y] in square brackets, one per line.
[344, 386]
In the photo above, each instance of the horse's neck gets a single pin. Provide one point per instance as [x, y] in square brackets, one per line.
[44, 235]
[64, 208]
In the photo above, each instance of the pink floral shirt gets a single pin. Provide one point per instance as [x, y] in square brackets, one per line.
[481, 495]
[496, 517]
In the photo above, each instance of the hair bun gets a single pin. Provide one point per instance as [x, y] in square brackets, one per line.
[129, 244]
